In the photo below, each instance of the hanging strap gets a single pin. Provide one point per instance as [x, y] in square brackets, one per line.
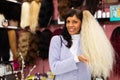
[61, 40]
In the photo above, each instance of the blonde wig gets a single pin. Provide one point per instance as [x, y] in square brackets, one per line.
[1, 19]
[25, 14]
[34, 13]
[96, 46]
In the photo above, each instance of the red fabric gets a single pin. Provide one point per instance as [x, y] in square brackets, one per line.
[57, 32]
[16, 64]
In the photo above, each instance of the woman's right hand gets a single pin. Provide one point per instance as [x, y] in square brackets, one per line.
[83, 58]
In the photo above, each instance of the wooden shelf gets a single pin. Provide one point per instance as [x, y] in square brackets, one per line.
[107, 21]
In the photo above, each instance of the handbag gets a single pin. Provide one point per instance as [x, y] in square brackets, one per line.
[6, 71]
[9, 77]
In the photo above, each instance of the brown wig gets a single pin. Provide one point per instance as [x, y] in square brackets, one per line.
[33, 50]
[63, 7]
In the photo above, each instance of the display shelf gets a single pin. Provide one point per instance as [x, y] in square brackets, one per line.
[10, 27]
[104, 6]
[107, 21]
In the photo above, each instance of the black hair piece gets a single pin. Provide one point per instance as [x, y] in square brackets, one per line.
[46, 13]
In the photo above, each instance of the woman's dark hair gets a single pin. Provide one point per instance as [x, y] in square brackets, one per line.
[115, 40]
[45, 38]
[65, 33]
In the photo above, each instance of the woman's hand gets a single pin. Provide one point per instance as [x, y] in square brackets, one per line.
[83, 59]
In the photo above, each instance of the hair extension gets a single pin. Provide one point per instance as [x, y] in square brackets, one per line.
[4, 42]
[33, 50]
[76, 3]
[63, 7]
[23, 42]
[1, 19]
[2, 6]
[46, 13]
[13, 42]
[4, 45]
[34, 13]
[91, 5]
[96, 46]
[45, 38]
[25, 14]
[12, 11]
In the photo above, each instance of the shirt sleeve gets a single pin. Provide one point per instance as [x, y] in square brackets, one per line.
[57, 65]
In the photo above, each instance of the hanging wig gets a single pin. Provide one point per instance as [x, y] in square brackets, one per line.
[115, 40]
[2, 6]
[96, 46]
[45, 38]
[12, 11]
[25, 14]
[46, 13]
[33, 50]
[34, 13]
[92, 5]
[4, 42]
[76, 3]
[1, 19]
[63, 7]
[23, 42]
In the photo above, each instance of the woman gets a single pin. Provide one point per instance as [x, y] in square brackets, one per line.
[82, 49]
[65, 55]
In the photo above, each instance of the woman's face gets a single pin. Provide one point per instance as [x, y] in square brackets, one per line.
[73, 25]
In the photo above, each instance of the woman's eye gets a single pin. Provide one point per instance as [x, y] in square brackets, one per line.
[75, 21]
[67, 21]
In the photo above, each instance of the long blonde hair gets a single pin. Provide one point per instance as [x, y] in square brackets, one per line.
[34, 13]
[1, 19]
[96, 46]
[25, 14]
